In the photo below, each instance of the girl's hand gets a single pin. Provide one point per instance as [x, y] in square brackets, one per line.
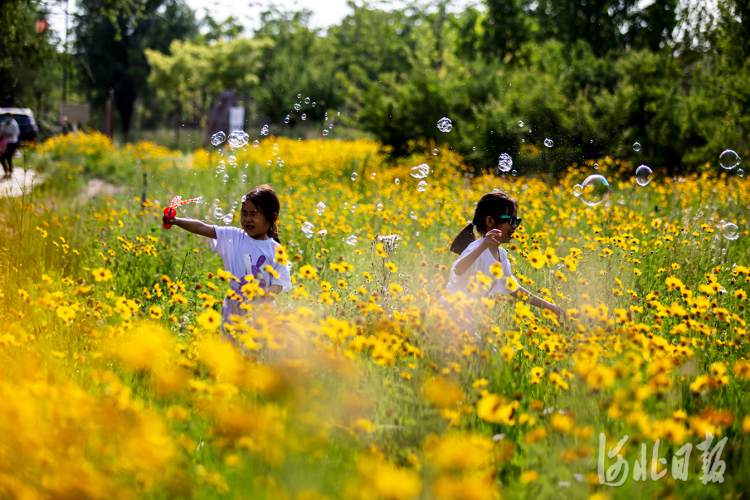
[492, 239]
[562, 316]
[167, 221]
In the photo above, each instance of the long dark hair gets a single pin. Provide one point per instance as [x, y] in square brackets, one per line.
[265, 199]
[490, 204]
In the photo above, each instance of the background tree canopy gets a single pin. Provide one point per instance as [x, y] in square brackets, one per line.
[592, 75]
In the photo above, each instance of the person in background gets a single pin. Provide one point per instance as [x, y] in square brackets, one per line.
[9, 130]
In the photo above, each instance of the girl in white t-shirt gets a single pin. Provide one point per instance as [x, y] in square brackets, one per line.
[495, 219]
[248, 250]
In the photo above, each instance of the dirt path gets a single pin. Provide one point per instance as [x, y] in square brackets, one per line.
[19, 182]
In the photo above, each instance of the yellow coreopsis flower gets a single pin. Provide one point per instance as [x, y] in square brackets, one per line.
[102, 274]
[537, 259]
[209, 320]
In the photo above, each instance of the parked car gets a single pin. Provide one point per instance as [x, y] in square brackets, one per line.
[25, 119]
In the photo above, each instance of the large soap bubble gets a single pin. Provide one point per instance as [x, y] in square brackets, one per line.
[729, 159]
[730, 231]
[643, 175]
[218, 138]
[420, 171]
[504, 164]
[595, 189]
[445, 124]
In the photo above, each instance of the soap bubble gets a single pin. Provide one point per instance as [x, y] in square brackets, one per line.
[308, 228]
[643, 175]
[412, 215]
[730, 231]
[420, 171]
[218, 138]
[287, 119]
[379, 207]
[422, 186]
[264, 130]
[256, 143]
[397, 180]
[351, 240]
[320, 208]
[577, 190]
[354, 176]
[307, 100]
[299, 96]
[304, 116]
[238, 139]
[269, 162]
[226, 178]
[504, 164]
[373, 175]
[520, 123]
[243, 178]
[220, 168]
[325, 132]
[514, 172]
[729, 159]
[435, 152]
[548, 142]
[637, 147]
[218, 213]
[322, 233]
[228, 218]
[740, 173]
[596, 189]
[445, 125]
[297, 106]
[313, 104]
[232, 160]
[275, 150]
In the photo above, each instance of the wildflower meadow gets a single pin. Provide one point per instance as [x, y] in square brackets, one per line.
[115, 381]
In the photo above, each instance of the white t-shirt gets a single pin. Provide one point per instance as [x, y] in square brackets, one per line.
[483, 263]
[245, 256]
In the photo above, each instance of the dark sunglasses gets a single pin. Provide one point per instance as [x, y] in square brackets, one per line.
[512, 219]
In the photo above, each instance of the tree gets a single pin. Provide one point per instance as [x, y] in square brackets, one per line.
[26, 57]
[111, 52]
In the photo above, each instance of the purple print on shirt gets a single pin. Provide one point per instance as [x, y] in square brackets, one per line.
[255, 270]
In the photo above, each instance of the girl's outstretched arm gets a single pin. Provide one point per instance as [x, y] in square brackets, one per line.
[540, 303]
[191, 225]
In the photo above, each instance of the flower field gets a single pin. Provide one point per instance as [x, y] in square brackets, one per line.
[115, 383]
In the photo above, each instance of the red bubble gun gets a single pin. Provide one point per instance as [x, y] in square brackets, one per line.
[170, 210]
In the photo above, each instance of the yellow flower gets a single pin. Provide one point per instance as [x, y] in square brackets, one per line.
[537, 259]
[102, 274]
[367, 276]
[155, 312]
[528, 477]
[740, 294]
[209, 320]
[308, 271]
[66, 313]
[271, 271]
[493, 408]
[341, 284]
[325, 286]
[507, 353]
[442, 392]
[391, 267]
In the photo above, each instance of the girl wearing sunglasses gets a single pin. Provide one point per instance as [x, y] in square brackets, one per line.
[495, 219]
